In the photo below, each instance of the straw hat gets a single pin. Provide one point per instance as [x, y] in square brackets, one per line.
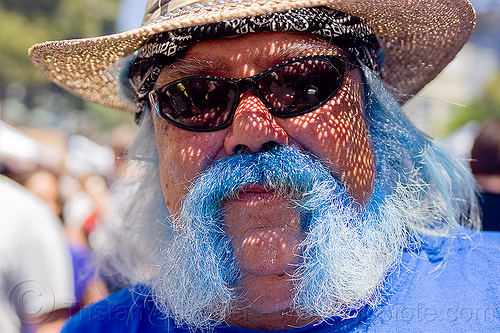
[419, 38]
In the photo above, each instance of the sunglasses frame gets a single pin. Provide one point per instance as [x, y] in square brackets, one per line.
[241, 85]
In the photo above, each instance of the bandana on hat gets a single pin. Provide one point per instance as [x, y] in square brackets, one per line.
[165, 48]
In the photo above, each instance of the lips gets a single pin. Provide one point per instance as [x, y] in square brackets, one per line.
[254, 193]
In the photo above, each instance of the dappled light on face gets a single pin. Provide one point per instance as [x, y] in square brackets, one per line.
[274, 245]
[189, 153]
[335, 132]
[339, 128]
[186, 148]
[181, 158]
[253, 115]
[271, 236]
[269, 251]
[256, 115]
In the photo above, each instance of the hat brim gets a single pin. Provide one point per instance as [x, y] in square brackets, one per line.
[418, 37]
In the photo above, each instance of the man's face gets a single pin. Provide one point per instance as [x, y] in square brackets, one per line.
[263, 227]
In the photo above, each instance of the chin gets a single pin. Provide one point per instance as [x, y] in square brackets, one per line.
[265, 294]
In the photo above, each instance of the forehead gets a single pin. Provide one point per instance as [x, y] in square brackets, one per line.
[265, 43]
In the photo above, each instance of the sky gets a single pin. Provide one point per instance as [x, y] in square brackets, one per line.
[485, 5]
[130, 15]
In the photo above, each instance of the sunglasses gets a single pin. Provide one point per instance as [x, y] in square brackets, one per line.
[289, 89]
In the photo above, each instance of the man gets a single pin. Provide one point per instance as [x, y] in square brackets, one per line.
[282, 186]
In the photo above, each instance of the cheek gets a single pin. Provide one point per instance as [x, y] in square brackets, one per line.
[182, 155]
[355, 159]
[337, 132]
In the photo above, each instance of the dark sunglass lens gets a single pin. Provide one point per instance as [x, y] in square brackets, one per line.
[301, 85]
[197, 104]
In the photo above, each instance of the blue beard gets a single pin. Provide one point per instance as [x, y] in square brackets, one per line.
[345, 255]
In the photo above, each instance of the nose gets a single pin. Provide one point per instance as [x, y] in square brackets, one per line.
[253, 128]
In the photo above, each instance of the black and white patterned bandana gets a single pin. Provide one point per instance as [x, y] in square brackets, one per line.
[165, 48]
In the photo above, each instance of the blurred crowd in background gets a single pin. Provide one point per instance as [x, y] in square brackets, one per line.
[54, 194]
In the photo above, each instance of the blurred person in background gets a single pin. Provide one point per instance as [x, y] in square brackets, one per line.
[485, 165]
[45, 185]
[79, 215]
[89, 286]
[36, 277]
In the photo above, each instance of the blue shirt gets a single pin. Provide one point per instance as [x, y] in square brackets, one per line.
[442, 285]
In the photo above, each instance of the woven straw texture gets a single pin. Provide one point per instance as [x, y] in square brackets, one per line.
[419, 38]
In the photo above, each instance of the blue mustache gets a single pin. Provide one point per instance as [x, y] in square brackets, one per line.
[283, 169]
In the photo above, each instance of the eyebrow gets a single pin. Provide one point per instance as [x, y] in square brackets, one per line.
[190, 67]
[314, 46]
